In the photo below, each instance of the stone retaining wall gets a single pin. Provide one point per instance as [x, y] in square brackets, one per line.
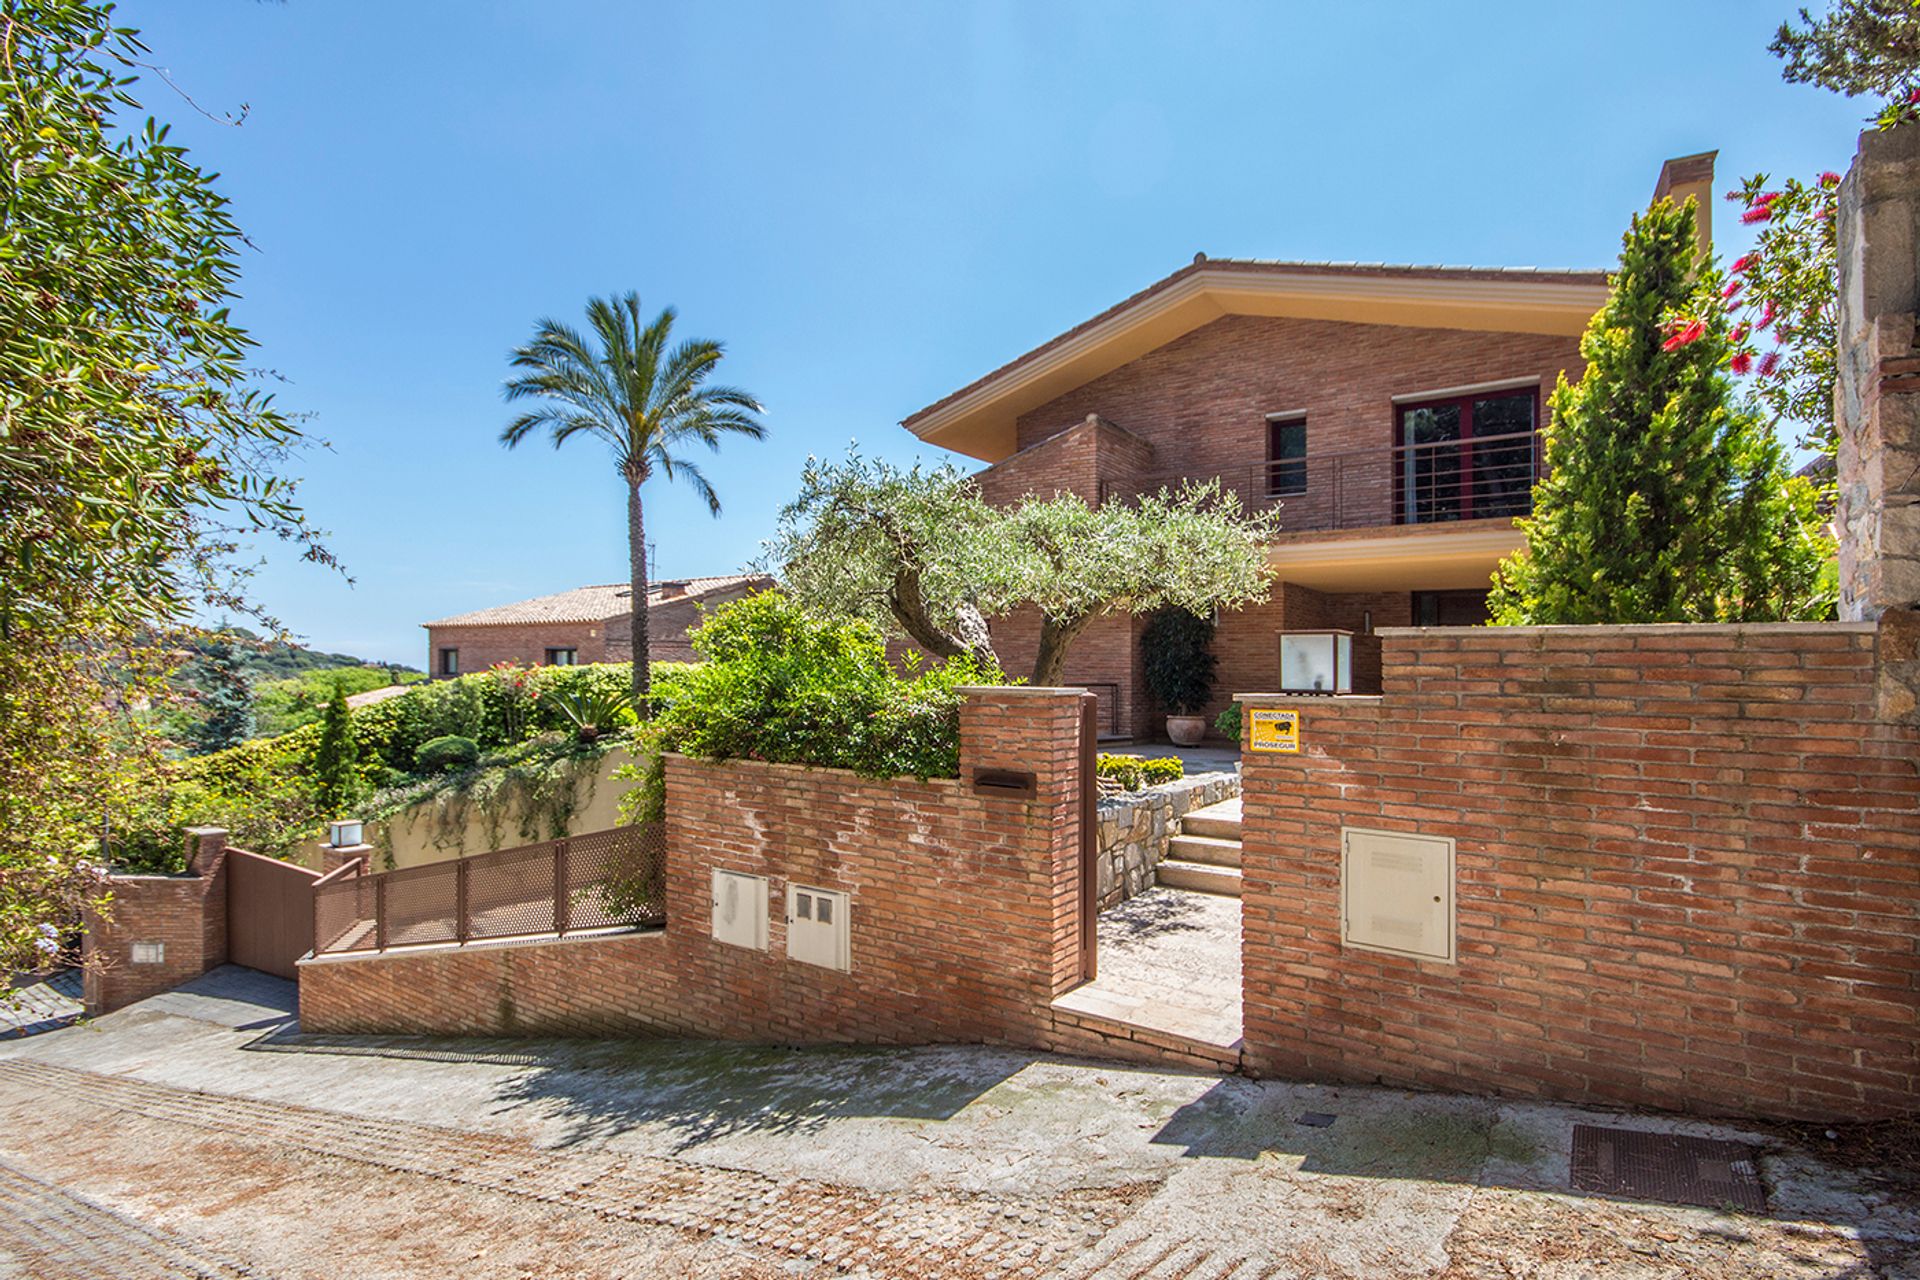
[1135, 827]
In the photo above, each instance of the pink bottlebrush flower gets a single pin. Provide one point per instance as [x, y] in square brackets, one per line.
[1741, 362]
[1740, 332]
[1766, 315]
[1732, 291]
[1829, 179]
[1681, 332]
[1913, 95]
[1823, 214]
[1769, 363]
[1756, 213]
[1746, 262]
[1767, 197]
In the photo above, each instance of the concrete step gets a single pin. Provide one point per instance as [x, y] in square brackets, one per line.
[1200, 877]
[1208, 849]
[1221, 821]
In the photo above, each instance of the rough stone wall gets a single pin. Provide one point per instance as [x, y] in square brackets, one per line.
[1877, 516]
[185, 914]
[1688, 872]
[1136, 826]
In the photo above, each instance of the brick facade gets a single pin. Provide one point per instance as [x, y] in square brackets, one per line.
[964, 911]
[185, 914]
[1688, 872]
[521, 643]
[1197, 407]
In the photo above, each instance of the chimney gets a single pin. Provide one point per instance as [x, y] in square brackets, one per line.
[1685, 176]
[671, 590]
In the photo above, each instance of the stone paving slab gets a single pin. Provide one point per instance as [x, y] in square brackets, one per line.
[1168, 960]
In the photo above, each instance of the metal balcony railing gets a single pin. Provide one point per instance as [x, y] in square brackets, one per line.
[1431, 483]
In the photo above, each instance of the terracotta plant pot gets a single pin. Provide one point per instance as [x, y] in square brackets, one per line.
[1186, 731]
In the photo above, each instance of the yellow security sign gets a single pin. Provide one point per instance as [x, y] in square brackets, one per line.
[1274, 731]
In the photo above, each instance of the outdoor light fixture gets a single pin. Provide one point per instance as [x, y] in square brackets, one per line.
[1316, 662]
[345, 833]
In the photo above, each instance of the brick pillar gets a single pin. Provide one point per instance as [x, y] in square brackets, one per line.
[158, 931]
[1019, 730]
[1877, 515]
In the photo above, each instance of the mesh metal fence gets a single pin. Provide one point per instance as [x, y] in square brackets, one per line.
[601, 880]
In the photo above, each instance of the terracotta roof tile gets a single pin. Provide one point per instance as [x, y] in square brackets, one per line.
[596, 603]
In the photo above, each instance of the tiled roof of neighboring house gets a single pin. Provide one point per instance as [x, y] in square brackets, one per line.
[597, 603]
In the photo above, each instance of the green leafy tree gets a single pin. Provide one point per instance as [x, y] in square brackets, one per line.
[336, 758]
[644, 397]
[1857, 47]
[225, 697]
[134, 448]
[918, 552]
[1664, 499]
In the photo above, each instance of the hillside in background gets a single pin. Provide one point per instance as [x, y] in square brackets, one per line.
[236, 685]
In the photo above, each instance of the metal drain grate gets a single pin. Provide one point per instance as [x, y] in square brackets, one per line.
[1667, 1167]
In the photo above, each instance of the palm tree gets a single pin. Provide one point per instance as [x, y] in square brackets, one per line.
[646, 400]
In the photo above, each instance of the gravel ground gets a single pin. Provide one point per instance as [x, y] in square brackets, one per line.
[198, 1134]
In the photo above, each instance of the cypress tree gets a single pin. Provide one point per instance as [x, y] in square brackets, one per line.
[335, 757]
[1664, 499]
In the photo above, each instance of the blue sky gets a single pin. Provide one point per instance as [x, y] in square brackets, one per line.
[870, 203]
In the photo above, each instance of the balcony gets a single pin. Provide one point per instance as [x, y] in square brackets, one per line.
[1434, 483]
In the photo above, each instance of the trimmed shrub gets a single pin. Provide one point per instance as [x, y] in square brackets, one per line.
[1228, 722]
[779, 684]
[1176, 650]
[1134, 772]
[449, 751]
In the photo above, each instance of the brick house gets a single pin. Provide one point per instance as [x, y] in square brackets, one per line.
[1392, 412]
[587, 624]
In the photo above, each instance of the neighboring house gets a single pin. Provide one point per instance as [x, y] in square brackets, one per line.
[1392, 412]
[587, 624]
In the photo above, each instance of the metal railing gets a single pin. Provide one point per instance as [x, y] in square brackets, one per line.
[1432, 483]
[601, 880]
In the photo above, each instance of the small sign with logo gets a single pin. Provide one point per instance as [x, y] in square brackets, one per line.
[1269, 730]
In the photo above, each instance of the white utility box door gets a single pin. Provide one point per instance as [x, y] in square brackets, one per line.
[1396, 893]
[817, 927]
[740, 909]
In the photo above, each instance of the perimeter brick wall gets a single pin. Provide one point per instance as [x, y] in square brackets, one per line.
[1688, 872]
[186, 914]
[964, 912]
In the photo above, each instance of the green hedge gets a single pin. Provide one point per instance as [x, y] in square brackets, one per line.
[263, 791]
[781, 685]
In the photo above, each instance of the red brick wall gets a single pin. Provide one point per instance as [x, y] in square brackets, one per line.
[1201, 400]
[523, 643]
[964, 913]
[1074, 460]
[1688, 873]
[187, 914]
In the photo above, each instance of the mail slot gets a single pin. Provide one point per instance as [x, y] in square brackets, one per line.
[1003, 782]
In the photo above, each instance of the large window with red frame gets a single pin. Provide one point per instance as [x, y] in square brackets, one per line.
[1468, 457]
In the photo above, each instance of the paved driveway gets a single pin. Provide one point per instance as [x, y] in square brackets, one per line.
[199, 1134]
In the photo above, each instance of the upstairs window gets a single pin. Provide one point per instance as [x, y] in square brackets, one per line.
[562, 657]
[449, 662]
[1286, 454]
[1470, 457]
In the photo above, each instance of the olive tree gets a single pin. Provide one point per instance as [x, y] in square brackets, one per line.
[919, 552]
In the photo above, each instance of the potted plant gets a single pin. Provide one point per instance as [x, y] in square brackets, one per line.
[1177, 650]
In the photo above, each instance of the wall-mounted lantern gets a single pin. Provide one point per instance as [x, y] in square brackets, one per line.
[1316, 662]
[346, 833]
